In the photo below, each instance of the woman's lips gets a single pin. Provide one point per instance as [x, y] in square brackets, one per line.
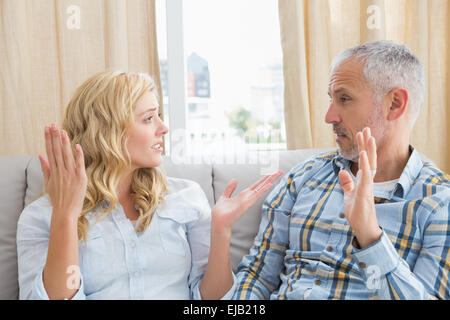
[157, 147]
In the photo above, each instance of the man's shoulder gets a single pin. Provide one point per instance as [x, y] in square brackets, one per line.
[430, 174]
[311, 166]
[315, 163]
[432, 185]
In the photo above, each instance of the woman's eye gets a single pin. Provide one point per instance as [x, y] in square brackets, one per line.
[149, 119]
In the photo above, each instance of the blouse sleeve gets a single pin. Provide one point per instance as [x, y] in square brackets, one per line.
[33, 233]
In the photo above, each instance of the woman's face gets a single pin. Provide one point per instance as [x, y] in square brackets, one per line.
[145, 136]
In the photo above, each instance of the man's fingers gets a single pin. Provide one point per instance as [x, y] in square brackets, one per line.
[366, 134]
[364, 166]
[360, 141]
[372, 153]
[346, 181]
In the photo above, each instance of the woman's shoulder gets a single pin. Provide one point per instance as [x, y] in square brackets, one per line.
[185, 201]
[183, 187]
[178, 184]
[36, 212]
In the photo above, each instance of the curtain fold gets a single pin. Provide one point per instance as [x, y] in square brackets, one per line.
[49, 47]
[314, 31]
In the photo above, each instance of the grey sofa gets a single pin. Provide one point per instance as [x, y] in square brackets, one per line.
[21, 182]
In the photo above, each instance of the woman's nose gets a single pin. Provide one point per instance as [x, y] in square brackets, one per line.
[163, 129]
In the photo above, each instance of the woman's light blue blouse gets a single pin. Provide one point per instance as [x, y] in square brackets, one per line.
[166, 261]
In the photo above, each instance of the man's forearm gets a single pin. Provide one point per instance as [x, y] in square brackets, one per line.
[386, 274]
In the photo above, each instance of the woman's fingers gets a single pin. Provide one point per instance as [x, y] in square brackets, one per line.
[67, 151]
[230, 188]
[45, 169]
[265, 180]
[262, 189]
[57, 148]
[80, 166]
[49, 148]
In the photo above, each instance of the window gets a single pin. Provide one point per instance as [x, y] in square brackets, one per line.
[233, 77]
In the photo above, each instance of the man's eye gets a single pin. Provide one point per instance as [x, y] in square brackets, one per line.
[344, 99]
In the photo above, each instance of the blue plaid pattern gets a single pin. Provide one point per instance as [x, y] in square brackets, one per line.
[305, 247]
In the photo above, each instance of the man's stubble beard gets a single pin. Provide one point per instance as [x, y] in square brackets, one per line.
[376, 123]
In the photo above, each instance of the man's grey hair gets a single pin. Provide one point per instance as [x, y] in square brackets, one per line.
[389, 65]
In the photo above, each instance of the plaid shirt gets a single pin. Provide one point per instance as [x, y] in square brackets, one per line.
[305, 247]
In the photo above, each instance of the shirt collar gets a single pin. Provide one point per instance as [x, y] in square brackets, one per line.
[409, 174]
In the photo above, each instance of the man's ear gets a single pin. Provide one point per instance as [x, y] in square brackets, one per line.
[399, 100]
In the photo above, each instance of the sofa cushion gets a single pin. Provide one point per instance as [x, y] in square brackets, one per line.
[245, 230]
[35, 181]
[12, 188]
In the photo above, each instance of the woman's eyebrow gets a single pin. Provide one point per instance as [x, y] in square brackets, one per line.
[148, 110]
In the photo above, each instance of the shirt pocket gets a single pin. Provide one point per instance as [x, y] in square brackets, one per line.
[172, 230]
[93, 253]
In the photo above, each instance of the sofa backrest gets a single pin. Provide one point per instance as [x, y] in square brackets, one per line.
[21, 182]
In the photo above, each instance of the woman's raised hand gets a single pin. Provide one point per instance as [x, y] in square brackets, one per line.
[64, 175]
[227, 211]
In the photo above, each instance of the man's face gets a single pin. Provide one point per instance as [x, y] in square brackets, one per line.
[352, 108]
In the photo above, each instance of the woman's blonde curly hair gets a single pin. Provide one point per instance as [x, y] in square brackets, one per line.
[97, 118]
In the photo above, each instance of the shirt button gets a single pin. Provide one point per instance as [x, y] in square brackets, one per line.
[329, 249]
[362, 265]
[317, 282]
[136, 273]
[132, 244]
[342, 215]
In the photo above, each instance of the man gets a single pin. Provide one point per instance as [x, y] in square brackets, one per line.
[370, 221]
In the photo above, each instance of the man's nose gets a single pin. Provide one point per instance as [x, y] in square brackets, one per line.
[332, 116]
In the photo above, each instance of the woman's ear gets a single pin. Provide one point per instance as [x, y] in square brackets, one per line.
[399, 100]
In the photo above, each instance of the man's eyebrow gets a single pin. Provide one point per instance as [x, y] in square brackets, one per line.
[338, 91]
[148, 110]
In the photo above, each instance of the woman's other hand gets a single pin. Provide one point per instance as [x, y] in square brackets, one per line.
[228, 210]
[64, 175]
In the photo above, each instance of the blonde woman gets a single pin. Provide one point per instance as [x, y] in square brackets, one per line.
[111, 225]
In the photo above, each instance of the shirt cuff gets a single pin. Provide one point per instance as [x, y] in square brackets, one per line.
[380, 257]
[227, 296]
[39, 292]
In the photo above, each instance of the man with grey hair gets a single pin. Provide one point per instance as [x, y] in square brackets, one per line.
[369, 221]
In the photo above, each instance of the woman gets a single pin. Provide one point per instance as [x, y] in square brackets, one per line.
[112, 226]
